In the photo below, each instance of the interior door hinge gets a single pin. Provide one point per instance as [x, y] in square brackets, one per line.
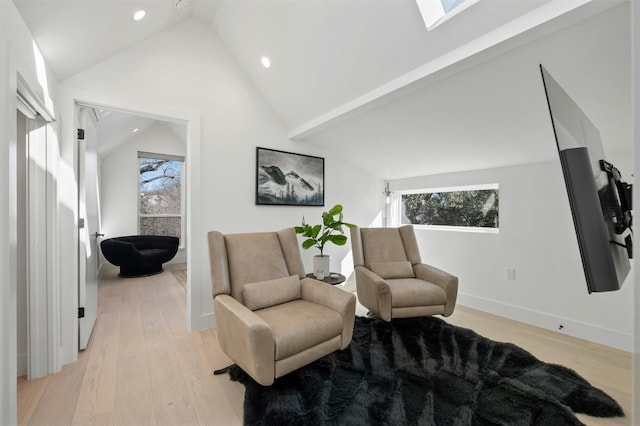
[80, 312]
[80, 134]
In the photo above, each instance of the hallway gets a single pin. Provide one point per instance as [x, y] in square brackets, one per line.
[142, 366]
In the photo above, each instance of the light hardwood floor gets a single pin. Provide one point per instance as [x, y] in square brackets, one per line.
[142, 366]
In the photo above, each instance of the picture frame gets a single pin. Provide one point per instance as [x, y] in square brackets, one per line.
[288, 179]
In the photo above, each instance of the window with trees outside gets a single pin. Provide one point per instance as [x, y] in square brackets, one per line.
[161, 195]
[471, 208]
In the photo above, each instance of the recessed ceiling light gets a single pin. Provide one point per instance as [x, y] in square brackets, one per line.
[139, 15]
[135, 130]
[266, 62]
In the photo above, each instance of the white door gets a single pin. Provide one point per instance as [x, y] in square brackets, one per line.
[89, 223]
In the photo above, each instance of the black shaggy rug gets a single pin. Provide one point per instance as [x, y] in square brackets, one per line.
[424, 371]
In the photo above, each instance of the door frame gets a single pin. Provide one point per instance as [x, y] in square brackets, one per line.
[41, 212]
[196, 247]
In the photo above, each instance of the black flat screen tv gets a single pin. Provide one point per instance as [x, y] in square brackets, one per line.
[600, 201]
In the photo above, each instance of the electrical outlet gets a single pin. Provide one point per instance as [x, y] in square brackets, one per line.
[510, 273]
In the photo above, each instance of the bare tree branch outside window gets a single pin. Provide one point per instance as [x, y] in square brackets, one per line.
[160, 182]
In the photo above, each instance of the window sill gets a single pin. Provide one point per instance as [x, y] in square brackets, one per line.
[457, 229]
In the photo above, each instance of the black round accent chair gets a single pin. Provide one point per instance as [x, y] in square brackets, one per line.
[139, 255]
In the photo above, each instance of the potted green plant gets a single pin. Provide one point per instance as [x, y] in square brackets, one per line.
[318, 235]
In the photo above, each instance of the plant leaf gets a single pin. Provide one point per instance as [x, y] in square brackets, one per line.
[308, 243]
[337, 209]
[337, 226]
[327, 219]
[338, 240]
[315, 231]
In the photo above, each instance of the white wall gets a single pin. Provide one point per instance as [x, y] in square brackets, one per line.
[187, 67]
[8, 369]
[120, 176]
[536, 238]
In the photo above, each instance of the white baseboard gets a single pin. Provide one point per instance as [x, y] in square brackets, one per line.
[203, 322]
[180, 257]
[590, 332]
[107, 266]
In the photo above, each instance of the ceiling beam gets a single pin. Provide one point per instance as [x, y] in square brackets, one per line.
[544, 20]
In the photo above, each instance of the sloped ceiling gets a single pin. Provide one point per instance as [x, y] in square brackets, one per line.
[326, 53]
[494, 114]
[365, 77]
[116, 128]
[75, 34]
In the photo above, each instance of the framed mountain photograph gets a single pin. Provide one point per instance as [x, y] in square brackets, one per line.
[289, 179]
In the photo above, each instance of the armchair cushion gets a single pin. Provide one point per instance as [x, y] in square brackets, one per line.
[269, 293]
[407, 292]
[344, 303]
[391, 270]
[314, 324]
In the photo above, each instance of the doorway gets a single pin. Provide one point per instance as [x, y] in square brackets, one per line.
[109, 179]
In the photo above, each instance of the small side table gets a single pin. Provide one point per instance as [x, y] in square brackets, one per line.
[333, 278]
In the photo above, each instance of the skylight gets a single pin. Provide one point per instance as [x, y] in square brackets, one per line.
[449, 5]
[434, 12]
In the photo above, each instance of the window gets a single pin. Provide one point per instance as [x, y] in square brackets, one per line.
[472, 208]
[434, 12]
[161, 195]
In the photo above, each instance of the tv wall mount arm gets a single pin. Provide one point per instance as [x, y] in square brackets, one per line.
[619, 204]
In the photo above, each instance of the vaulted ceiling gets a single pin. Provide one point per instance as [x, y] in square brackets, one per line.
[365, 76]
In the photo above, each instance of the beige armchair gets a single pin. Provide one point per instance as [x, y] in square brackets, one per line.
[392, 281]
[271, 319]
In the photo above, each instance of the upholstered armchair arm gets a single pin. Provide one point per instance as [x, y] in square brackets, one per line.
[246, 338]
[373, 292]
[439, 277]
[334, 298]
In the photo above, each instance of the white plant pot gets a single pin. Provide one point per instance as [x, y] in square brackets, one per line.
[321, 266]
